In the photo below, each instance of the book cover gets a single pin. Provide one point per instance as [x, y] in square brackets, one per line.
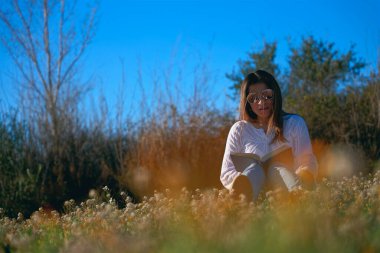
[282, 155]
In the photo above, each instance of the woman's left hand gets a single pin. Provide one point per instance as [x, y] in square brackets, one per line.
[307, 179]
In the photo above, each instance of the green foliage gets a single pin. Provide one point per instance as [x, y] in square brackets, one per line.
[20, 180]
[30, 178]
[351, 116]
[263, 59]
[322, 121]
[316, 67]
[363, 110]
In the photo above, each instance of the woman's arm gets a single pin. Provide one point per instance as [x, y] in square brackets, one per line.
[306, 166]
[228, 172]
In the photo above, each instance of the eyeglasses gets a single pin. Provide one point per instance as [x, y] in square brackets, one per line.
[264, 96]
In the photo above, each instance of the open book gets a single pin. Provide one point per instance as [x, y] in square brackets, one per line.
[282, 155]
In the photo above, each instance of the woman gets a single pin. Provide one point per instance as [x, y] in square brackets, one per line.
[264, 127]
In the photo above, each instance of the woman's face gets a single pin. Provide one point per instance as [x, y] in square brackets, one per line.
[260, 98]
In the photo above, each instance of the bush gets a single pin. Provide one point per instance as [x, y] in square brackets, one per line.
[21, 176]
[351, 117]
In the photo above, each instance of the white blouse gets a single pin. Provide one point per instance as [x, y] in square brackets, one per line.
[245, 138]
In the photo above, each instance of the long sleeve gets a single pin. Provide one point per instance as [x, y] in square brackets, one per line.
[228, 172]
[302, 150]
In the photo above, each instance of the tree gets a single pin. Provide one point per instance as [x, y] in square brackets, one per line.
[46, 44]
[363, 110]
[46, 40]
[317, 70]
[263, 59]
[316, 67]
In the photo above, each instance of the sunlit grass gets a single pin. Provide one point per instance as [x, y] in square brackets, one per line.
[338, 216]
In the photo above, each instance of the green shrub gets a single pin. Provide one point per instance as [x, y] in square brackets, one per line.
[20, 180]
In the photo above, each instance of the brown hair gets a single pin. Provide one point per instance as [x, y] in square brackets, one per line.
[246, 112]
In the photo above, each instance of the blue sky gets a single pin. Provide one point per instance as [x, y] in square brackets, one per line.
[173, 36]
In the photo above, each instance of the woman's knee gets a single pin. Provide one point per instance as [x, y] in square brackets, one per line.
[256, 176]
[281, 177]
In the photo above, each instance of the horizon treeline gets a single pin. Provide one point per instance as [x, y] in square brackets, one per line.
[49, 154]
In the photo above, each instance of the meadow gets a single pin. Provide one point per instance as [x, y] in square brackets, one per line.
[338, 216]
[143, 175]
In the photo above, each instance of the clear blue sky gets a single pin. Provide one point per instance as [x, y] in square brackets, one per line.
[156, 36]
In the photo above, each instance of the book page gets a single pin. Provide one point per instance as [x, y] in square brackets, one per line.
[275, 152]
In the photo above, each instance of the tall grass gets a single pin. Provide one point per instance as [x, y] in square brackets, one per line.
[180, 138]
[187, 151]
[21, 175]
[340, 216]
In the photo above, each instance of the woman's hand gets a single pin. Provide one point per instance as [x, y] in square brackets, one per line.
[306, 178]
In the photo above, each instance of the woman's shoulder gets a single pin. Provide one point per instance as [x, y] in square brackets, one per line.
[239, 124]
[293, 119]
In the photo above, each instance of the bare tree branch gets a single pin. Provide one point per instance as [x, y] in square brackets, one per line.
[47, 43]
[85, 41]
[61, 44]
[32, 51]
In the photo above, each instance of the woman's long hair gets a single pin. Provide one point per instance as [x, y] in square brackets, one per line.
[246, 113]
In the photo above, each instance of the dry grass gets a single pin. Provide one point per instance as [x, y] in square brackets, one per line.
[337, 216]
[186, 155]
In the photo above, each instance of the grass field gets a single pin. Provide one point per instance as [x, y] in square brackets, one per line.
[339, 216]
